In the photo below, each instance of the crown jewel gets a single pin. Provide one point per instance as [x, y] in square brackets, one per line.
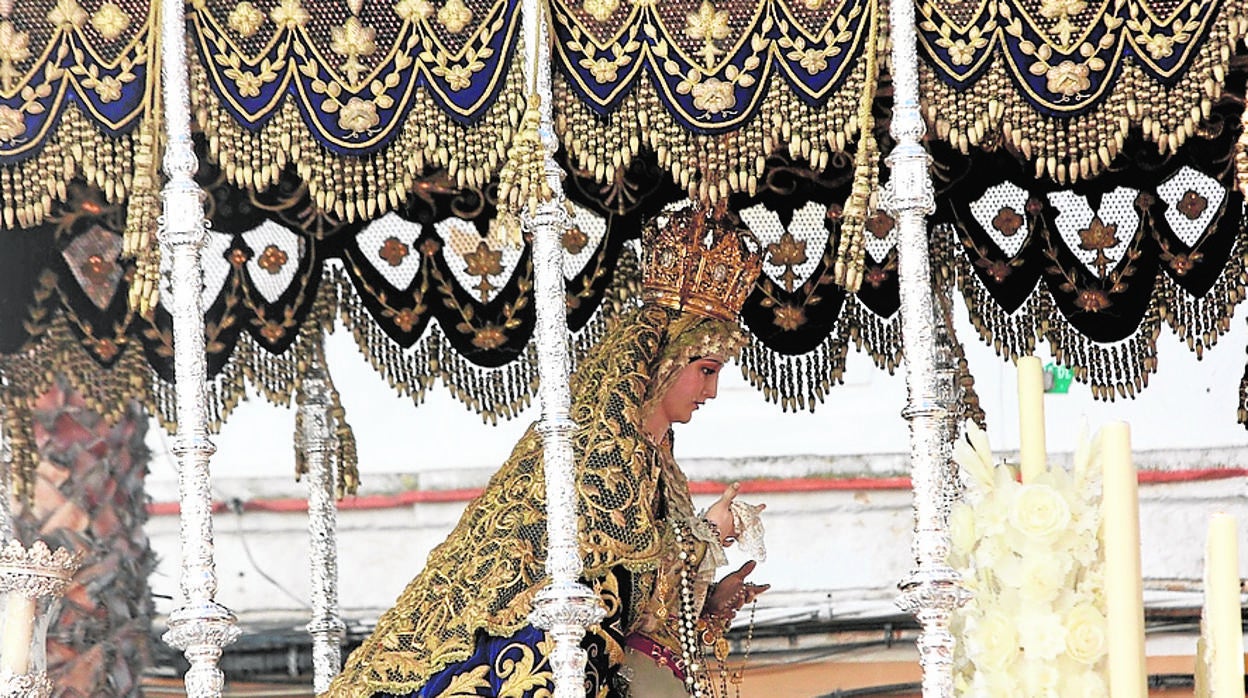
[698, 262]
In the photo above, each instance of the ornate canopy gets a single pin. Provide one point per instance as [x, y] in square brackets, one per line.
[1085, 157]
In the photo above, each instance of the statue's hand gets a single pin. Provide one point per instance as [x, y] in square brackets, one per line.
[720, 515]
[733, 592]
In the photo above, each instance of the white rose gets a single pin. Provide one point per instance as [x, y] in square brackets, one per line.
[1085, 634]
[1041, 678]
[1083, 684]
[1039, 512]
[1043, 576]
[962, 528]
[1041, 633]
[993, 642]
[994, 684]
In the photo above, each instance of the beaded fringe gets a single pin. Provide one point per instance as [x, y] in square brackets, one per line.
[1070, 149]
[26, 375]
[360, 188]
[707, 167]
[1120, 369]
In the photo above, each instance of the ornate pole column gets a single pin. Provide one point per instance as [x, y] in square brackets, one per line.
[200, 627]
[6, 475]
[931, 591]
[315, 440]
[565, 607]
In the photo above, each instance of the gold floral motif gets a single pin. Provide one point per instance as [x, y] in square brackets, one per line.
[1092, 301]
[1062, 11]
[789, 252]
[600, 10]
[455, 16]
[708, 25]
[489, 337]
[789, 317]
[714, 96]
[393, 251]
[574, 239]
[14, 48]
[1098, 237]
[289, 14]
[68, 14]
[246, 19]
[457, 76]
[272, 259]
[1007, 221]
[1067, 78]
[411, 10]
[812, 59]
[352, 40]
[110, 21]
[108, 88]
[1192, 204]
[1159, 45]
[248, 83]
[358, 116]
[484, 262]
[12, 125]
[604, 70]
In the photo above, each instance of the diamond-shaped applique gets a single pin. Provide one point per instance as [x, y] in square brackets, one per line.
[216, 269]
[1001, 212]
[790, 255]
[481, 267]
[1193, 200]
[275, 260]
[93, 258]
[388, 244]
[581, 240]
[1097, 238]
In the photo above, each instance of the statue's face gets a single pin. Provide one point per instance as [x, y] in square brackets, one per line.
[696, 383]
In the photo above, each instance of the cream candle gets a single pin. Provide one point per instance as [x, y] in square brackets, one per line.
[1124, 590]
[1031, 418]
[19, 624]
[1223, 625]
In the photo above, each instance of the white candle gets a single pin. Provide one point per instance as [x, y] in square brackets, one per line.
[1225, 649]
[1124, 589]
[1031, 417]
[19, 623]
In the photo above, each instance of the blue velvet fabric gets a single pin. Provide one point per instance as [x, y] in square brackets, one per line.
[515, 666]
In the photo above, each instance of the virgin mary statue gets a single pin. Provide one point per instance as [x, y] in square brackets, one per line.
[461, 627]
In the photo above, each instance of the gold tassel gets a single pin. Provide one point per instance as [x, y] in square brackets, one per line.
[139, 240]
[522, 182]
[18, 426]
[1241, 153]
[849, 263]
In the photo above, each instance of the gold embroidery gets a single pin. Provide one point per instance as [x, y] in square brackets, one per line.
[289, 14]
[68, 14]
[455, 16]
[110, 21]
[14, 48]
[352, 40]
[521, 674]
[465, 685]
[246, 19]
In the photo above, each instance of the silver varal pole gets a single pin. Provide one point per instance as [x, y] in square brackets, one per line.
[316, 440]
[200, 627]
[931, 592]
[565, 607]
[7, 529]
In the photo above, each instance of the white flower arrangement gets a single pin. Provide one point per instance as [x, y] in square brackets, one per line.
[1032, 557]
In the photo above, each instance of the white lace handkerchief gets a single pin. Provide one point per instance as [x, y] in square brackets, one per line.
[749, 526]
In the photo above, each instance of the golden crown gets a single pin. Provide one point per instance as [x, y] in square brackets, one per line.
[699, 262]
